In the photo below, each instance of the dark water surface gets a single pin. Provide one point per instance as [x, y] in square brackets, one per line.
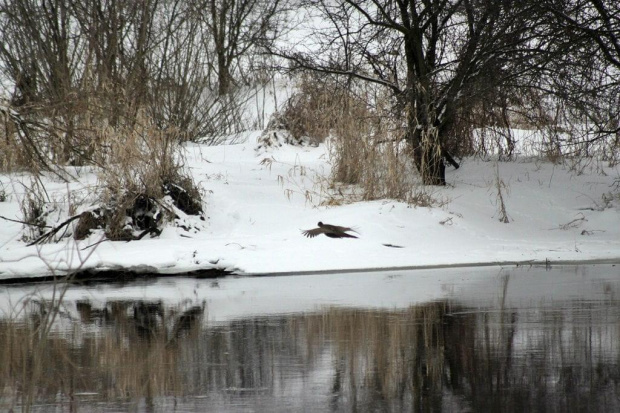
[471, 340]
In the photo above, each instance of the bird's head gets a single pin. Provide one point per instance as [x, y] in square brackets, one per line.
[320, 224]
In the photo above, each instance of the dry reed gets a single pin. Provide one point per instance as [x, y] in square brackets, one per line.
[144, 164]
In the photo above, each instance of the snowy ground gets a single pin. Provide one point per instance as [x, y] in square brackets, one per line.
[257, 208]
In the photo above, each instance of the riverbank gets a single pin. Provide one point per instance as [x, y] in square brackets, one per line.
[258, 202]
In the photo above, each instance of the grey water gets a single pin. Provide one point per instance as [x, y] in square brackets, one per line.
[452, 340]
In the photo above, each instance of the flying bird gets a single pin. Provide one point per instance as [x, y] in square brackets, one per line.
[332, 231]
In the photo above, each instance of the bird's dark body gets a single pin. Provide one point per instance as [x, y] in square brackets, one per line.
[340, 235]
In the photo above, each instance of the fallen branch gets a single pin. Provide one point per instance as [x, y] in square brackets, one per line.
[54, 230]
[575, 223]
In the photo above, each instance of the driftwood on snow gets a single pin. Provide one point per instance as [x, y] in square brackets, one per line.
[49, 234]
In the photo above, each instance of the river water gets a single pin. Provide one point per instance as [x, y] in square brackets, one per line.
[469, 340]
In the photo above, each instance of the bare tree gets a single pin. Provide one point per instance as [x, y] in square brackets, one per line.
[586, 77]
[438, 57]
[40, 53]
[598, 21]
[76, 67]
[37, 49]
[235, 30]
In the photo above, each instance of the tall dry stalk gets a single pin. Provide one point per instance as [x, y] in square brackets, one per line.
[501, 205]
[368, 150]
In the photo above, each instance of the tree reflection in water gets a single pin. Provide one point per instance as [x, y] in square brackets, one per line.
[440, 356]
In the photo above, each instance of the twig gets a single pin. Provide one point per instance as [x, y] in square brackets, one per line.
[24, 222]
[575, 223]
[96, 243]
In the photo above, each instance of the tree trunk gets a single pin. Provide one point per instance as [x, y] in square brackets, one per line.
[428, 156]
[423, 136]
[219, 22]
[223, 75]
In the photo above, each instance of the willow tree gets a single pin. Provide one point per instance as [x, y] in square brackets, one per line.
[439, 58]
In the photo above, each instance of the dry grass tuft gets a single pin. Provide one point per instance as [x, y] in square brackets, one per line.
[312, 112]
[146, 184]
[35, 211]
[368, 150]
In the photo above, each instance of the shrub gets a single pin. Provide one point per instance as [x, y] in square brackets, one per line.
[146, 185]
[311, 112]
[368, 150]
[370, 160]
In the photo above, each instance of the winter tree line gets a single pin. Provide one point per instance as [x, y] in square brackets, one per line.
[454, 66]
[433, 71]
[73, 68]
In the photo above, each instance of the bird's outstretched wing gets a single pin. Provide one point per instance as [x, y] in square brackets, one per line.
[311, 233]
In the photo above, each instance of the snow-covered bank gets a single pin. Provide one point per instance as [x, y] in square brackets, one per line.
[257, 203]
